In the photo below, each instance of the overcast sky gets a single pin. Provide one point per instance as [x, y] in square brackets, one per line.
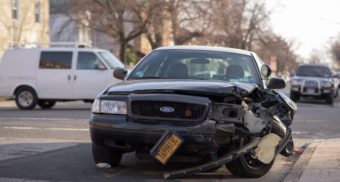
[312, 23]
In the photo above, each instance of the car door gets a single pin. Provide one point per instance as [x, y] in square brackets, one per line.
[54, 75]
[90, 76]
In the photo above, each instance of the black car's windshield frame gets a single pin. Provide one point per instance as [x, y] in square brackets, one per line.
[197, 64]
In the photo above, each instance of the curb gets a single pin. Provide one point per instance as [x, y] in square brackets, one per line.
[296, 171]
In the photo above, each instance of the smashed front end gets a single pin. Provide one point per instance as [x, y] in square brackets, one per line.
[219, 124]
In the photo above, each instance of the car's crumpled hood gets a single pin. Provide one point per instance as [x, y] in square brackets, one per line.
[204, 87]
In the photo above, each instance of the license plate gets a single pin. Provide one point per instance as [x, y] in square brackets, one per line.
[311, 91]
[166, 146]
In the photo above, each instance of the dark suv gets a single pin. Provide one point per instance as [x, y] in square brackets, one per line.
[198, 104]
[314, 80]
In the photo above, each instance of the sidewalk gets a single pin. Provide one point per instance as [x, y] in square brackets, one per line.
[319, 162]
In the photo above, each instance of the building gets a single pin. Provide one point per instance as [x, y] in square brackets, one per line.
[23, 21]
[64, 29]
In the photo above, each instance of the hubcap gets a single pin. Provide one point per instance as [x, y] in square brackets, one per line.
[25, 98]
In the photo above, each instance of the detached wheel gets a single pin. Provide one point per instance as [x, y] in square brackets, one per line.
[294, 96]
[46, 104]
[105, 155]
[26, 98]
[248, 167]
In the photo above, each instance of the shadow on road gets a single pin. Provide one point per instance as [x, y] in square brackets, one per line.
[76, 164]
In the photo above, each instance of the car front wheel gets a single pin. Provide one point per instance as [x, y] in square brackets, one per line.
[103, 154]
[248, 167]
[294, 96]
[330, 99]
[26, 98]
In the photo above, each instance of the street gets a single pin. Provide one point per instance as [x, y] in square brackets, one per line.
[54, 145]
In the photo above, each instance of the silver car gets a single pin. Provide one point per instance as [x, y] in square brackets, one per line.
[314, 80]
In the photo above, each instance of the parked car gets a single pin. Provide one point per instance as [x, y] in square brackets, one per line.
[166, 107]
[314, 80]
[44, 76]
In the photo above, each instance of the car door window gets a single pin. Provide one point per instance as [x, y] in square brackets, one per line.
[55, 60]
[88, 61]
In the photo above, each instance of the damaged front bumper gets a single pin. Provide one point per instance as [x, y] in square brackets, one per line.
[121, 134]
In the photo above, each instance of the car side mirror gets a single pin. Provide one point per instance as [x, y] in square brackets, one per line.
[100, 67]
[336, 76]
[276, 83]
[120, 73]
[265, 70]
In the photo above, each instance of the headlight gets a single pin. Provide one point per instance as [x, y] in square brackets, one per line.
[325, 83]
[297, 82]
[109, 107]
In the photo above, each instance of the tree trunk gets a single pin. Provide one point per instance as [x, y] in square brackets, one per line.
[122, 51]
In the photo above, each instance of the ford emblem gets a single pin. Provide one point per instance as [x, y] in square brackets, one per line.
[167, 109]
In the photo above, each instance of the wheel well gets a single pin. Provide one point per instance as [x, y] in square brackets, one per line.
[23, 86]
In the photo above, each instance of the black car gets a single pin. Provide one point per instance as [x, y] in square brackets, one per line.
[314, 80]
[211, 105]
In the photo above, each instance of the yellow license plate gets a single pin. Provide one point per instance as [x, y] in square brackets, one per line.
[166, 146]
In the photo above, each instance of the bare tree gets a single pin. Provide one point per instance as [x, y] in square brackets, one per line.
[238, 23]
[335, 51]
[275, 48]
[187, 20]
[123, 20]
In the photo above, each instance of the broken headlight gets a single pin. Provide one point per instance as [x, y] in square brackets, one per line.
[109, 107]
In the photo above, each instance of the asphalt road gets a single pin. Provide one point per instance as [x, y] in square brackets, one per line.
[53, 145]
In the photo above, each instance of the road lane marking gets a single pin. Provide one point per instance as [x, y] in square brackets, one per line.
[50, 129]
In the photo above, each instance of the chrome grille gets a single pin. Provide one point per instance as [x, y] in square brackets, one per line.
[311, 84]
[167, 110]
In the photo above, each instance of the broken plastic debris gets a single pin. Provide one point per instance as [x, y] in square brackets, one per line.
[265, 152]
[103, 165]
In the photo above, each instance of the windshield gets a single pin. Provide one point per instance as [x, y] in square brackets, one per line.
[200, 65]
[314, 71]
[112, 61]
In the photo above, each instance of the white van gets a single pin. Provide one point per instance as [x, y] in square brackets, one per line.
[45, 75]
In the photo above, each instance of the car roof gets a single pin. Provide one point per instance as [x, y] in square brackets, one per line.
[59, 49]
[207, 48]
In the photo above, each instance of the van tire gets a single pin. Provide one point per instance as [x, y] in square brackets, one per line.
[46, 104]
[26, 98]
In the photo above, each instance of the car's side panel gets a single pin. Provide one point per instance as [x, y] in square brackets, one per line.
[18, 67]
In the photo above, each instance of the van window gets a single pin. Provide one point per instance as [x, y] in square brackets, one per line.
[112, 61]
[88, 61]
[55, 60]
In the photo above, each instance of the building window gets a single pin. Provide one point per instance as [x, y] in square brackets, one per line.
[15, 9]
[37, 11]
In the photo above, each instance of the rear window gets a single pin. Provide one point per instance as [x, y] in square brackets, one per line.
[55, 60]
[314, 71]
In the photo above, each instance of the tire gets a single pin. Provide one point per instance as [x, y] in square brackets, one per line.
[103, 154]
[288, 150]
[46, 104]
[330, 99]
[26, 98]
[243, 168]
[294, 96]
